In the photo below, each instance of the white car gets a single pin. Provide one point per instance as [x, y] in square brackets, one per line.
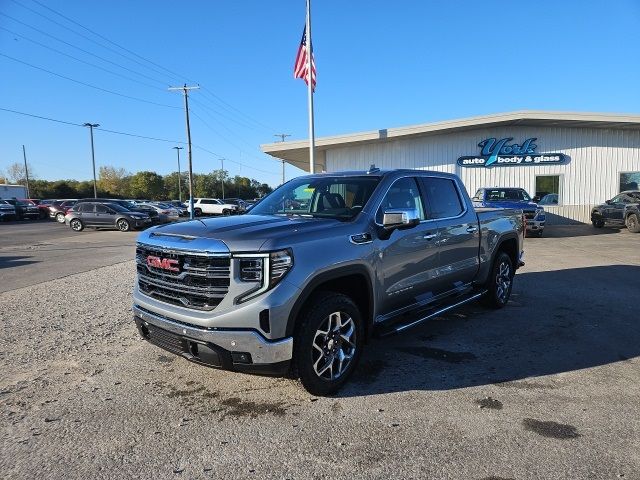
[166, 213]
[212, 206]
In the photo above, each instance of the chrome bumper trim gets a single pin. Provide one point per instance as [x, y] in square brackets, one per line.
[262, 351]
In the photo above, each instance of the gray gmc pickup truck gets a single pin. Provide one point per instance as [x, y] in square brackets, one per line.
[298, 285]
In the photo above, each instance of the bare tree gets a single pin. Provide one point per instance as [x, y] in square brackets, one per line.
[15, 173]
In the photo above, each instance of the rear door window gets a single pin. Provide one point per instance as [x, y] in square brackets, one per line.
[442, 197]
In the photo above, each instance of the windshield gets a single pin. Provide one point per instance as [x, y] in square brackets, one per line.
[341, 198]
[506, 194]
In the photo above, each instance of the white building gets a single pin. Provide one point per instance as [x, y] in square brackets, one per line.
[584, 158]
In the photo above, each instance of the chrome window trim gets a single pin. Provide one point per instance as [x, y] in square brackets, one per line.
[460, 196]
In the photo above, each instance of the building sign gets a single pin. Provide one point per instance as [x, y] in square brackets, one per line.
[501, 153]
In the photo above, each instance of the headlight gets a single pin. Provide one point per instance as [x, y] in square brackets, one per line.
[264, 269]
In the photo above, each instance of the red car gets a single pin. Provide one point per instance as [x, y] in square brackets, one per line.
[58, 209]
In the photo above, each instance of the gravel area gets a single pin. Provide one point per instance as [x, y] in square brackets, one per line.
[549, 388]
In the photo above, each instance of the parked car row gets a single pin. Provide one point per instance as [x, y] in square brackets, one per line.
[621, 210]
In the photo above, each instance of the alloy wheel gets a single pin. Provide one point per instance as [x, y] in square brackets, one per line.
[334, 346]
[123, 225]
[503, 282]
[76, 225]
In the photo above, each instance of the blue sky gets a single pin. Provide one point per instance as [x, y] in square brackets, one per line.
[380, 64]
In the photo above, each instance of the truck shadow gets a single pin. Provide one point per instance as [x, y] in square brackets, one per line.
[15, 261]
[557, 321]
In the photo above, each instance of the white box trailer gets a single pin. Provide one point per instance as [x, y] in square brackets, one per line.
[12, 191]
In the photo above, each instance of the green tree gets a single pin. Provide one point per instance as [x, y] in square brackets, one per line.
[113, 181]
[147, 185]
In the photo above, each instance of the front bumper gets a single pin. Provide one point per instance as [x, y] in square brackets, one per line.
[536, 224]
[237, 350]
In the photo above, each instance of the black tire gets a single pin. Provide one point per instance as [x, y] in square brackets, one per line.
[539, 233]
[226, 212]
[633, 223]
[307, 360]
[500, 282]
[60, 217]
[123, 225]
[197, 212]
[597, 223]
[76, 225]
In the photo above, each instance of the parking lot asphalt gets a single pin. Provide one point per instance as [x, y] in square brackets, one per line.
[45, 250]
[547, 388]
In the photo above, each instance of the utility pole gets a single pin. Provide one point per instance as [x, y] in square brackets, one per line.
[26, 171]
[93, 157]
[177, 149]
[185, 91]
[222, 176]
[282, 136]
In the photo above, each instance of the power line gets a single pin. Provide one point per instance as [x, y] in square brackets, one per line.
[79, 59]
[82, 49]
[213, 95]
[227, 106]
[217, 155]
[88, 84]
[231, 143]
[82, 35]
[105, 38]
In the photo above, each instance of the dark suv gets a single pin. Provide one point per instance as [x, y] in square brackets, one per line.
[105, 215]
[24, 209]
[150, 212]
[621, 210]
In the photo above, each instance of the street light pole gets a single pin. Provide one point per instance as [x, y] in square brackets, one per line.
[185, 91]
[177, 149]
[222, 176]
[282, 136]
[93, 157]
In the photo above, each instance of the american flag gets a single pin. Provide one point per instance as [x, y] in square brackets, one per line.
[301, 67]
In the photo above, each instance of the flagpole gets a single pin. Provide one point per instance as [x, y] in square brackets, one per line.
[312, 139]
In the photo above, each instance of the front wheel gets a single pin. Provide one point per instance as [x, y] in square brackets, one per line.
[500, 282]
[123, 225]
[197, 212]
[328, 343]
[76, 225]
[633, 224]
[60, 217]
[597, 223]
[226, 212]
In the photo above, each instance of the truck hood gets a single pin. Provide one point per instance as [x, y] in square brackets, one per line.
[242, 233]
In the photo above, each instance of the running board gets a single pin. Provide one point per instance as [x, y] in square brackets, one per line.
[392, 329]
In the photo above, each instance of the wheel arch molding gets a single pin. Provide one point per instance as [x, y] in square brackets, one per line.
[347, 280]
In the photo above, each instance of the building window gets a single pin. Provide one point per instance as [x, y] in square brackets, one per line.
[548, 190]
[629, 181]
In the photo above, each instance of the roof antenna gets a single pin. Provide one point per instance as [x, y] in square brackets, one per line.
[373, 168]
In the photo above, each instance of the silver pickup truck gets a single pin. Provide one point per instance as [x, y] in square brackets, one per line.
[300, 284]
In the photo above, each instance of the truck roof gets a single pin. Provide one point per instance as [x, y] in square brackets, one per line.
[378, 172]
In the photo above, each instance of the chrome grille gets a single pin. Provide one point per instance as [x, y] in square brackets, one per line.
[200, 283]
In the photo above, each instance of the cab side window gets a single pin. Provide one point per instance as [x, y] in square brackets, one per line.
[403, 194]
[101, 209]
[442, 197]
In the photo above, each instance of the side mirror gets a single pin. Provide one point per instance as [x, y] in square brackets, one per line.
[609, 202]
[400, 218]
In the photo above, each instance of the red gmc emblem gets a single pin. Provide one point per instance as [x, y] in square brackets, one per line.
[163, 263]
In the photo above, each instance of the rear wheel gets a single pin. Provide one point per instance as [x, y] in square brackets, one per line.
[76, 225]
[123, 225]
[500, 282]
[597, 223]
[328, 343]
[633, 223]
[60, 217]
